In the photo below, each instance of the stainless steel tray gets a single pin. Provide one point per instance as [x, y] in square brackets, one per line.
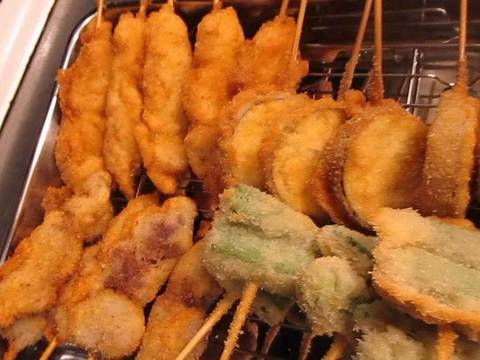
[420, 62]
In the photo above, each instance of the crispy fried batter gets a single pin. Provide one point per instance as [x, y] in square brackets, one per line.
[245, 123]
[210, 86]
[124, 102]
[83, 89]
[181, 310]
[41, 264]
[374, 160]
[428, 267]
[450, 156]
[265, 60]
[162, 130]
[25, 332]
[292, 149]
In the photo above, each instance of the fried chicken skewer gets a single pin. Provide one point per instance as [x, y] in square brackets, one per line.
[124, 100]
[163, 127]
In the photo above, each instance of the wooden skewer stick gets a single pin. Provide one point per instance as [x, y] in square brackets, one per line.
[337, 350]
[217, 4]
[462, 77]
[346, 82]
[144, 4]
[269, 337]
[100, 5]
[298, 32]
[49, 350]
[306, 345]
[221, 309]
[445, 348]
[376, 90]
[249, 293]
[284, 7]
[171, 3]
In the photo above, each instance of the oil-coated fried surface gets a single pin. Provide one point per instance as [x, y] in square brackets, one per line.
[24, 332]
[160, 135]
[124, 102]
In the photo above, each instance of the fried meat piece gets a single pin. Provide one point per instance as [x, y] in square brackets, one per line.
[83, 88]
[24, 332]
[291, 150]
[265, 60]
[450, 156]
[124, 102]
[245, 123]
[209, 86]
[179, 312]
[163, 127]
[40, 265]
[374, 160]
[428, 267]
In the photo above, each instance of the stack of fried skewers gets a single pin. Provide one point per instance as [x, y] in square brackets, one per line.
[230, 112]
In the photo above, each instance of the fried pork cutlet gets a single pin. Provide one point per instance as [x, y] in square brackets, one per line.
[429, 268]
[293, 147]
[40, 265]
[24, 332]
[266, 59]
[245, 123]
[83, 89]
[209, 86]
[168, 58]
[450, 156]
[178, 313]
[256, 238]
[124, 102]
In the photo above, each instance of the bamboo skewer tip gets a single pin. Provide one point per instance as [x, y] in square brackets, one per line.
[49, 350]
[217, 4]
[100, 6]
[462, 76]
[376, 87]
[284, 7]
[298, 32]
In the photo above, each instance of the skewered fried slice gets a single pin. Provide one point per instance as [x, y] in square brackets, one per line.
[41, 264]
[265, 60]
[181, 310]
[210, 84]
[292, 149]
[245, 123]
[449, 159]
[373, 161]
[428, 267]
[124, 102]
[83, 89]
[160, 135]
[24, 332]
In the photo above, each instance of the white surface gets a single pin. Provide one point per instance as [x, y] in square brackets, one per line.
[21, 24]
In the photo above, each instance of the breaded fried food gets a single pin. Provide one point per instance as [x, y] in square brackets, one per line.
[160, 134]
[89, 210]
[245, 122]
[40, 265]
[373, 161]
[428, 267]
[209, 86]
[24, 332]
[450, 156]
[125, 101]
[178, 313]
[291, 150]
[266, 59]
[83, 89]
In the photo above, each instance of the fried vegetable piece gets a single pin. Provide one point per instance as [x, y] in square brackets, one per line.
[291, 150]
[168, 58]
[245, 123]
[124, 102]
[450, 156]
[429, 267]
[83, 89]
[266, 59]
[179, 312]
[209, 86]
[40, 265]
[373, 161]
[256, 238]
[328, 291]
[24, 332]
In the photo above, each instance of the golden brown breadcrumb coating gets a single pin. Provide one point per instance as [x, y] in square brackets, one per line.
[24, 332]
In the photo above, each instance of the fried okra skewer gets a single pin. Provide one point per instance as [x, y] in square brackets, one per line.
[125, 101]
[160, 134]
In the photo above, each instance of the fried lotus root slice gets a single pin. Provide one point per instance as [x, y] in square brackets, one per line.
[246, 122]
[428, 267]
[374, 160]
[292, 149]
[450, 156]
